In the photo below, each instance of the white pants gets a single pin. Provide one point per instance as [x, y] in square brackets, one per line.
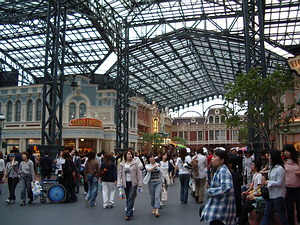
[108, 193]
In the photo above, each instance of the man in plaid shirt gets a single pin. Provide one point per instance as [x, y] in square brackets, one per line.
[221, 201]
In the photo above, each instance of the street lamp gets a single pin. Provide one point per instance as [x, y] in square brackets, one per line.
[2, 119]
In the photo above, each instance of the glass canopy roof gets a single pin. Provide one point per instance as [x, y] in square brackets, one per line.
[180, 51]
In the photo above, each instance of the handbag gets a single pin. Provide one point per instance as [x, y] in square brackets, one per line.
[264, 192]
[164, 194]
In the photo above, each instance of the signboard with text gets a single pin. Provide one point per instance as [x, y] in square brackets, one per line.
[86, 122]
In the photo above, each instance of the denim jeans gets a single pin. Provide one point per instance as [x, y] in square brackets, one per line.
[130, 193]
[279, 206]
[26, 186]
[155, 188]
[184, 187]
[292, 196]
[92, 191]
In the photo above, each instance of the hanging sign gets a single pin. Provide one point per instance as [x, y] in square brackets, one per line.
[294, 63]
[86, 122]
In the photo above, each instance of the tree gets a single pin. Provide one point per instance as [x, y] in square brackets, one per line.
[261, 98]
[179, 139]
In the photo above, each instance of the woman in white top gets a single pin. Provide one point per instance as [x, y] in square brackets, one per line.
[184, 174]
[276, 187]
[155, 183]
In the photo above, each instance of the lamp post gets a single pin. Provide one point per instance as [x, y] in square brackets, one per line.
[2, 119]
[141, 142]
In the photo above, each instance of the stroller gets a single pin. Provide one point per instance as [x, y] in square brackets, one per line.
[50, 189]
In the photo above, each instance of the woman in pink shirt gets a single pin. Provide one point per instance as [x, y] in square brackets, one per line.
[292, 168]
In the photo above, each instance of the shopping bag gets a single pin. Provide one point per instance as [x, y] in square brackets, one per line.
[164, 194]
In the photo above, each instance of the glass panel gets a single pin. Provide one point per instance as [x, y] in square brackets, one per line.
[9, 112]
[82, 110]
[38, 110]
[72, 111]
[18, 111]
[211, 135]
[200, 135]
[29, 110]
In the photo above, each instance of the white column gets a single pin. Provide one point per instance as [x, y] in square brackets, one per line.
[77, 143]
[98, 145]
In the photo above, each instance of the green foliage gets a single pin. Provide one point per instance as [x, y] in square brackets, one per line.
[259, 98]
[179, 139]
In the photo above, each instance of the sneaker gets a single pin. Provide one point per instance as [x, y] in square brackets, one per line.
[7, 201]
[23, 203]
[87, 202]
[85, 193]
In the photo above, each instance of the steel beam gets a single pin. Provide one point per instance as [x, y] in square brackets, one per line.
[54, 74]
[122, 85]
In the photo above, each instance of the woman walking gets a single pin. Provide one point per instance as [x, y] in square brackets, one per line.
[220, 205]
[26, 171]
[91, 174]
[155, 180]
[167, 170]
[129, 178]
[276, 187]
[108, 174]
[184, 174]
[11, 173]
[292, 183]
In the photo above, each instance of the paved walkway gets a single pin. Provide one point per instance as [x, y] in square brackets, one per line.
[173, 213]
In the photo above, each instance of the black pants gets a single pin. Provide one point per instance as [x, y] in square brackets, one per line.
[247, 208]
[292, 197]
[70, 195]
[12, 184]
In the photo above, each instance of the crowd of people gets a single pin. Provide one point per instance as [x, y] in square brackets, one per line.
[235, 182]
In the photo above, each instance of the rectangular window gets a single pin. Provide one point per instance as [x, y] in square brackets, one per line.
[200, 135]
[234, 135]
[186, 135]
[217, 134]
[181, 134]
[211, 135]
[223, 135]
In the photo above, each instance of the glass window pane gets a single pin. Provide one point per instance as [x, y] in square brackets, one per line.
[9, 112]
[29, 110]
[38, 110]
[82, 110]
[18, 111]
[72, 111]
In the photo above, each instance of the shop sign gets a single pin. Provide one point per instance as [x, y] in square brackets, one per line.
[86, 122]
[294, 63]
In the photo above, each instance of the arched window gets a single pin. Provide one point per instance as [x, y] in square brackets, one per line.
[18, 111]
[38, 110]
[223, 119]
[217, 119]
[72, 111]
[29, 110]
[9, 111]
[211, 119]
[82, 110]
